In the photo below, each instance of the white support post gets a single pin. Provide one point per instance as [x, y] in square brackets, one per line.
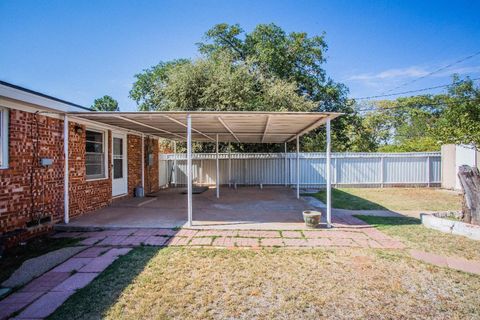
[298, 167]
[428, 171]
[143, 162]
[189, 169]
[217, 171]
[66, 200]
[175, 163]
[382, 172]
[229, 165]
[286, 165]
[329, 180]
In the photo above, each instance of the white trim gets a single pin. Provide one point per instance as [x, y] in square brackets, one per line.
[124, 137]
[4, 143]
[66, 177]
[20, 95]
[105, 152]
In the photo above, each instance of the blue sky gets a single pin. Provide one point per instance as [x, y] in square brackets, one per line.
[81, 50]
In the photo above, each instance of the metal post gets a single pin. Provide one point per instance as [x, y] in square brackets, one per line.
[189, 168]
[229, 165]
[143, 162]
[298, 167]
[217, 173]
[382, 171]
[329, 181]
[66, 200]
[175, 163]
[428, 171]
[286, 165]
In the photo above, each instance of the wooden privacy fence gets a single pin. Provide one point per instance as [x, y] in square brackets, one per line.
[348, 169]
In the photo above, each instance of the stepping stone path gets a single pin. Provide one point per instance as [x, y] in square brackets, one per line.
[43, 295]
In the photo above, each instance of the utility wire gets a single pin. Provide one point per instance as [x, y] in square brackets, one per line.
[418, 105]
[433, 72]
[406, 92]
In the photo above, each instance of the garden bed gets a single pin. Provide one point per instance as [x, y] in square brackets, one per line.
[450, 223]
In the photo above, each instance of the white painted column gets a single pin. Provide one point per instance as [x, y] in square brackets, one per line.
[286, 165]
[329, 179]
[143, 163]
[298, 167]
[175, 164]
[217, 167]
[229, 165]
[66, 199]
[189, 169]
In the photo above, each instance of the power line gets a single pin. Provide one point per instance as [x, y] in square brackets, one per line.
[417, 105]
[406, 92]
[433, 72]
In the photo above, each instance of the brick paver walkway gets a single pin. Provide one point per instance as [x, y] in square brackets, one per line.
[44, 295]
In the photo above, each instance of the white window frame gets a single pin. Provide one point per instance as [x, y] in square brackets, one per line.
[104, 151]
[3, 138]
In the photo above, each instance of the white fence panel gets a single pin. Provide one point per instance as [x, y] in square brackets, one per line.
[349, 169]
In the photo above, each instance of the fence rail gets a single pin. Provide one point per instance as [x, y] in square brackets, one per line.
[348, 169]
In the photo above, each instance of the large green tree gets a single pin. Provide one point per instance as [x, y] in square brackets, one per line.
[105, 103]
[266, 69]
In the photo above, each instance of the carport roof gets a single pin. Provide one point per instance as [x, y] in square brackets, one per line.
[231, 126]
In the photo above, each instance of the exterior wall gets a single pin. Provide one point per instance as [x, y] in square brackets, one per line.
[151, 170]
[25, 177]
[29, 191]
[134, 145]
[86, 195]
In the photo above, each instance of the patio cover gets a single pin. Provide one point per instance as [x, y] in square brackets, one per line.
[215, 126]
[231, 126]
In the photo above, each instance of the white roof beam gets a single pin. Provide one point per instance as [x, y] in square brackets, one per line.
[266, 128]
[228, 128]
[312, 126]
[184, 125]
[150, 127]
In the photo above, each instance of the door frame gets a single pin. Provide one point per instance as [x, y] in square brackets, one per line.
[121, 135]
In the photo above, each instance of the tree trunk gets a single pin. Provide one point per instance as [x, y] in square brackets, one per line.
[470, 181]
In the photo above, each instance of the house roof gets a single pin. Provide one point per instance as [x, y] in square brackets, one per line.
[242, 127]
[15, 92]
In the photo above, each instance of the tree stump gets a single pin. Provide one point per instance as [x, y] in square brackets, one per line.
[470, 182]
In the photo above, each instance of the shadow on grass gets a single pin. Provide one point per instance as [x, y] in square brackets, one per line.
[388, 222]
[94, 300]
[345, 200]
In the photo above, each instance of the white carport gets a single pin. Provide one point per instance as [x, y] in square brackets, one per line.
[217, 126]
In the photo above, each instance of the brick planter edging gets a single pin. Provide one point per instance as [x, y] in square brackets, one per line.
[451, 226]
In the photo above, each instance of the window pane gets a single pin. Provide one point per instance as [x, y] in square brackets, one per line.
[94, 147]
[94, 136]
[117, 146]
[117, 168]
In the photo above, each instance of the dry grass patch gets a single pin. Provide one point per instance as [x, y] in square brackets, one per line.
[413, 234]
[185, 283]
[415, 199]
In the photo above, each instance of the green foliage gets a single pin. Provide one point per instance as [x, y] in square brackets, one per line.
[460, 121]
[105, 103]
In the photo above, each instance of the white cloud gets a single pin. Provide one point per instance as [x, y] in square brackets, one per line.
[409, 72]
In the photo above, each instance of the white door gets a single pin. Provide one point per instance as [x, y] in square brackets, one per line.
[119, 167]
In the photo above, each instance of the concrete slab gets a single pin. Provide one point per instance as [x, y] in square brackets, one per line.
[45, 305]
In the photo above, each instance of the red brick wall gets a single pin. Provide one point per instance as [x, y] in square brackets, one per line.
[151, 171]
[24, 196]
[134, 153]
[85, 195]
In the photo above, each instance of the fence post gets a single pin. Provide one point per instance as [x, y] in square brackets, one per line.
[428, 171]
[382, 173]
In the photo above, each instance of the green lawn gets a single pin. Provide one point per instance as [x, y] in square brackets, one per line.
[414, 199]
[187, 283]
[413, 234]
[13, 258]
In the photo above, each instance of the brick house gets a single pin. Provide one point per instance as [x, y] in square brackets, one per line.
[104, 163]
